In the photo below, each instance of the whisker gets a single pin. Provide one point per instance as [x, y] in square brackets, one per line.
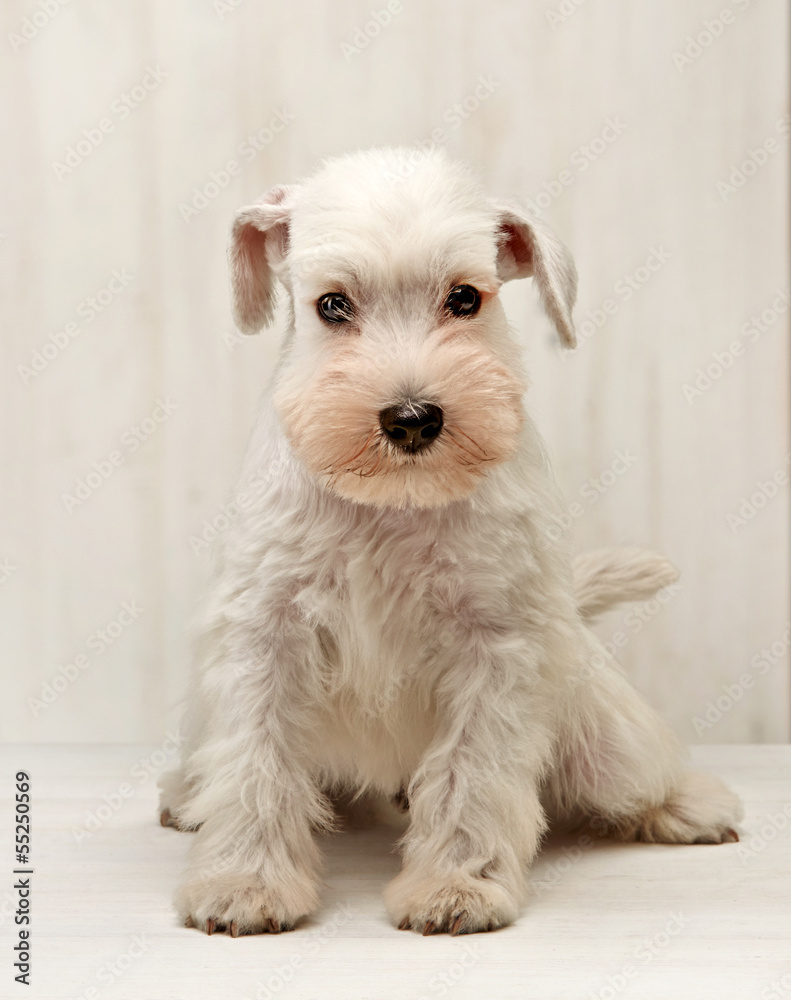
[375, 469]
[471, 440]
[357, 454]
[461, 446]
[335, 468]
[362, 471]
[372, 463]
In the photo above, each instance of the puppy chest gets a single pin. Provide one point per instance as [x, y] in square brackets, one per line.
[372, 614]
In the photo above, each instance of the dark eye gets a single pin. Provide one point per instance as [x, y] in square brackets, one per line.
[463, 300]
[335, 308]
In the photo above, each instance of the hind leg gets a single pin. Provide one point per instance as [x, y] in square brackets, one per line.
[700, 810]
[620, 770]
[176, 788]
[174, 795]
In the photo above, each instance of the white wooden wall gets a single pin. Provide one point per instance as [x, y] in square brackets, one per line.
[642, 188]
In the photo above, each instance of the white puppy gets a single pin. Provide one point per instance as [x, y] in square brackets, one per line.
[390, 615]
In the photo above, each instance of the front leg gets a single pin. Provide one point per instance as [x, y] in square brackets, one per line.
[252, 867]
[476, 818]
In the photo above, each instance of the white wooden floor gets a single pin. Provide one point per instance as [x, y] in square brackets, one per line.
[605, 921]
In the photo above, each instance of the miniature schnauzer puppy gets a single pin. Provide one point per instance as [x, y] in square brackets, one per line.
[392, 612]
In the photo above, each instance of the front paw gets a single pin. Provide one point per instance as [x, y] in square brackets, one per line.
[453, 903]
[244, 905]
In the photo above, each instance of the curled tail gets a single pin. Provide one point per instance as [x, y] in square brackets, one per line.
[606, 578]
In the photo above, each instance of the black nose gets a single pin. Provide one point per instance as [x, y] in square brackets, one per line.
[411, 425]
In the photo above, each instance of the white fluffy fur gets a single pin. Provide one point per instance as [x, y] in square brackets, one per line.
[608, 577]
[412, 641]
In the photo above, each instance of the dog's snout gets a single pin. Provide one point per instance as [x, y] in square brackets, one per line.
[411, 425]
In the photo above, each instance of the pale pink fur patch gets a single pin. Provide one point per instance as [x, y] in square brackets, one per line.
[332, 420]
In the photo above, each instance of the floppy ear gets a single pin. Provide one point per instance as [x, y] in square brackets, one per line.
[525, 248]
[259, 242]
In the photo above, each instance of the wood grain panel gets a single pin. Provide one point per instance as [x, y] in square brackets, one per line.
[592, 111]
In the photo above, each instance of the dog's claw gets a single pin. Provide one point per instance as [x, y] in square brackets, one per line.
[166, 818]
[730, 837]
[189, 922]
[429, 928]
[456, 926]
[404, 925]
[214, 926]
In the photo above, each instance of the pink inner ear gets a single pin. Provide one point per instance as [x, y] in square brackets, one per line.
[516, 254]
[259, 242]
[251, 279]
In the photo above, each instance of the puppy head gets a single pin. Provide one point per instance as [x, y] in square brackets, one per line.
[400, 384]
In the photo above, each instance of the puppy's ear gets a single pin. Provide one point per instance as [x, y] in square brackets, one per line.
[259, 242]
[525, 248]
